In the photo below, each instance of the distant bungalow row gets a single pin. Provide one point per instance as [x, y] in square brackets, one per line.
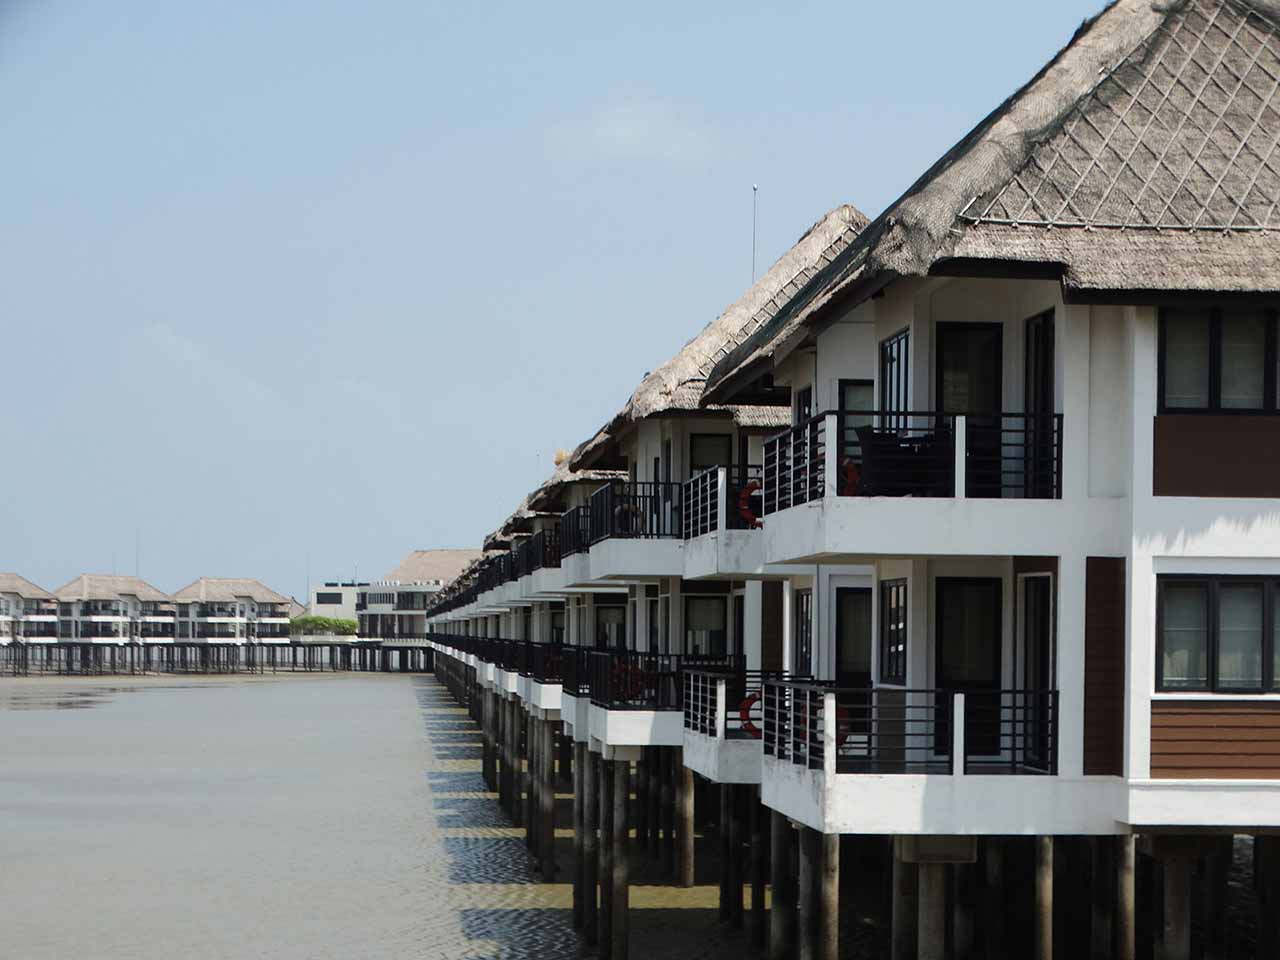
[948, 557]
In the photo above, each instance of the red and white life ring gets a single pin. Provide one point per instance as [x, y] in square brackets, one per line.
[744, 714]
[849, 477]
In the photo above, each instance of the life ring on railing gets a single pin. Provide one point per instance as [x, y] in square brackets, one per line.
[628, 685]
[744, 714]
[744, 505]
[849, 477]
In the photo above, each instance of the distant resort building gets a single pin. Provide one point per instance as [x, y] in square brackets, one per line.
[396, 606]
[114, 609]
[232, 611]
[336, 599]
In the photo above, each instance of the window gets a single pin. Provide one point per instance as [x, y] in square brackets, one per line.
[704, 625]
[803, 642]
[893, 632]
[707, 450]
[611, 628]
[1217, 360]
[1217, 634]
[803, 408]
[894, 380]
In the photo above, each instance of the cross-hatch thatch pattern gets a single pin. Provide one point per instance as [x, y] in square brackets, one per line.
[1181, 136]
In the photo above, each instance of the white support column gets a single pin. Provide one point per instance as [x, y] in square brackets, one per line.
[721, 704]
[957, 735]
[962, 455]
[830, 744]
[722, 500]
[1069, 673]
[831, 465]
[788, 624]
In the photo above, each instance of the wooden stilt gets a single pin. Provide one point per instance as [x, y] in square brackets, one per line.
[590, 846]
[685, 826]
[606, 860]
[759, 858]
[931, 932]
[782, 915]
[1044, 899]
[905, 908]
[579, 911]
[548, 818]
[620, 893]
[828, 932]
[807, 899]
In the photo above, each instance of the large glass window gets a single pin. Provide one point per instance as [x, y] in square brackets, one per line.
[893, 631]
[894, 377]
[1214, 359]
[1218, 634]
[707, 450]
[705, 620]
[611, 628]
[802, 645]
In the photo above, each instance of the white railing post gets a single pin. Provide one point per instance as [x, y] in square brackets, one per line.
[829, 742]
[962, 449]
[722, 499]
[957, 735]
[831, 453]
[721, 705]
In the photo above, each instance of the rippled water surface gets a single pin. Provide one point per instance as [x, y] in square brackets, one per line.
[297, 818]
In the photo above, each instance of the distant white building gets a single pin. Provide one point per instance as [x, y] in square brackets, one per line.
[230, 610]
[28, 613]
[336, 599]
[105, 608]
[396, 605]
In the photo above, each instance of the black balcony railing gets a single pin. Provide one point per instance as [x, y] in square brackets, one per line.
[575, 531]
[702, 503]
[544, 548]
[897, 454]
[646, 681]
[576, 673]
[795, 465]
[1014, 455]
[741, 716]
[546, 662]
[642, 510]
[890, 730]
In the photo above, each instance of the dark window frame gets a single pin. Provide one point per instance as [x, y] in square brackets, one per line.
[726, 438]
[894, 393]
[1270, 393]
[802, 626]
[892, 667]
[1212, 584]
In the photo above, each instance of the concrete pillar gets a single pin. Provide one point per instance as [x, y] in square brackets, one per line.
[931, 904]
[525, 726]
[722, 835]
[782, 915]
[590, 845]
[653, 797]
[684, 813]
[993, 914]
[579, 909]
[964, 887]
[828, 933]
[548, 816]
[1176, 929]
[642, 803]
[807, 895]
[1126, 898]
[533, 741]
[620, 894]
[759, 858]
[902, 945]
[735, 854]
[666, 766]
[1044, 899]
[1266, 881]
[606, 859]
[1217, 868]
[1102, 899]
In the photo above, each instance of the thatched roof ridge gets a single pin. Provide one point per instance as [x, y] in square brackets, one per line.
[107, 586]
[1141, 158]
[423, 565]
[14, 583]
[228, 590]
[542, 501]
[677, 385]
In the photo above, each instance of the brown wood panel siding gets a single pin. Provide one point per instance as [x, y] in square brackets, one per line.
[1215, 739]
[1208, 455]
[1104, 666]
[771, 625]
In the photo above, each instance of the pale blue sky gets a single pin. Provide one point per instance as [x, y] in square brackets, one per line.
[333, 280]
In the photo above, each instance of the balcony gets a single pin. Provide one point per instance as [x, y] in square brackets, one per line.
[926, 483]
[724, 723]
[722, 510]
[636, 511]
[575, 531]
[894, 760]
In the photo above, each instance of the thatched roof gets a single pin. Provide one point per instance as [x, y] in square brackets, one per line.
[228, 590]
[424, 565]
[545, 501]
[1141, 161]
[677, 385]
[13, 583]
[106, 586]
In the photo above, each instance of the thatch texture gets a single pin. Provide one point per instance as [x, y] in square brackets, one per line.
[13, 583]
[677, 385]
[228, 590]
[105, 586]
[425, 565]
[1142, 158]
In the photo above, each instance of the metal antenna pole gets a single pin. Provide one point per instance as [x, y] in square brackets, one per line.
[755, 195]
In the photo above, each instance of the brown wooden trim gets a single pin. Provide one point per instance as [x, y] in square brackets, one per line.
[1104, 666]
[1216, 455]
[1025, 565]
[1207, 739]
